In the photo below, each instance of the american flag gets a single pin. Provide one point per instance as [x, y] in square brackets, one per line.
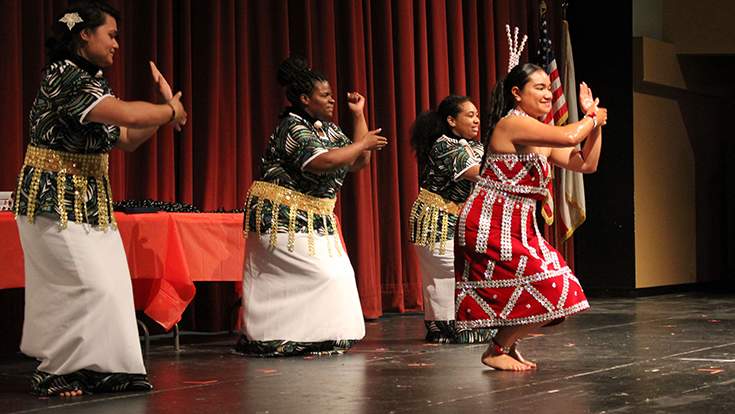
[546, 59]
[559, 112]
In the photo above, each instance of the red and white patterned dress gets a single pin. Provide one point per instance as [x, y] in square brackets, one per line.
[506, 272]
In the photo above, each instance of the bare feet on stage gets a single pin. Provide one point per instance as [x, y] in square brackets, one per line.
[502, 362]
[502, 353]
[516, 354]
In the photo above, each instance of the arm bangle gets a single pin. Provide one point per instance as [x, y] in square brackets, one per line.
[173, 112]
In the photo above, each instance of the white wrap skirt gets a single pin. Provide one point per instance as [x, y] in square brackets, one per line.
[294, 296]
[79, 310]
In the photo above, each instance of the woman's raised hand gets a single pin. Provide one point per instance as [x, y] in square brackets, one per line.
[356, 102]
[165, 90]
[163, 87]
[586, 100]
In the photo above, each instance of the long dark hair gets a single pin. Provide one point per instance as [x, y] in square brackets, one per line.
[298, 78]
[64, 41]
[430, 125]
[502, 100]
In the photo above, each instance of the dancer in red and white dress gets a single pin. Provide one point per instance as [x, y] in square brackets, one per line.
[508, 277]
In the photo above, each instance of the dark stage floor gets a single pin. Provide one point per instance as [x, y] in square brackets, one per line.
[668, 354]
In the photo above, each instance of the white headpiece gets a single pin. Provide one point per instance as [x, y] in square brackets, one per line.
[514, 50]
[71, 19]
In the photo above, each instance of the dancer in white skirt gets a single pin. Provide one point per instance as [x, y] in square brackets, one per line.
[79, 313]
[448, 154]
[299, 290]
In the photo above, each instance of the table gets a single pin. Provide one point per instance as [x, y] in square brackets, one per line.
[167, 253]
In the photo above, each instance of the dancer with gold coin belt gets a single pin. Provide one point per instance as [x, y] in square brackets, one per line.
[79, 312]
[299, 290]
[448, 152]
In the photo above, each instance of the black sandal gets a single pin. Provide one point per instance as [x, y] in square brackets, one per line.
[44, 384]
[117, 382]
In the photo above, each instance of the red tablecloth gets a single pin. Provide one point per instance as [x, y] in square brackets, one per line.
[167, 253]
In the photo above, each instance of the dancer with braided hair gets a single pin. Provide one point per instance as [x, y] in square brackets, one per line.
[448, 151]
[299, 290]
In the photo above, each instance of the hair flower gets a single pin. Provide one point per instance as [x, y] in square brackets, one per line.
[71, 19]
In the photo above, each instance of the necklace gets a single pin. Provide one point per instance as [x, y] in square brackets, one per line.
[517, 112]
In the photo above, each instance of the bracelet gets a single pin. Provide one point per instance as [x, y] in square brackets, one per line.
[173, 112]
[593, 117]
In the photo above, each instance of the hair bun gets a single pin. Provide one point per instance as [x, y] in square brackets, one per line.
[290, 68]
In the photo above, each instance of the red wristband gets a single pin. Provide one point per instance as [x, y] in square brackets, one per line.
[593, 117]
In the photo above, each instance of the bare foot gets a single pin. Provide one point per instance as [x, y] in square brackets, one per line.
[516, 354]
[503, 362]
[67, 394]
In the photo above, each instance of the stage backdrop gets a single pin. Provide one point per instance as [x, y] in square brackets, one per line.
[403, 55]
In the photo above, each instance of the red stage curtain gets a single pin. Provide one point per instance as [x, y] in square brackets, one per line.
[404, 56]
